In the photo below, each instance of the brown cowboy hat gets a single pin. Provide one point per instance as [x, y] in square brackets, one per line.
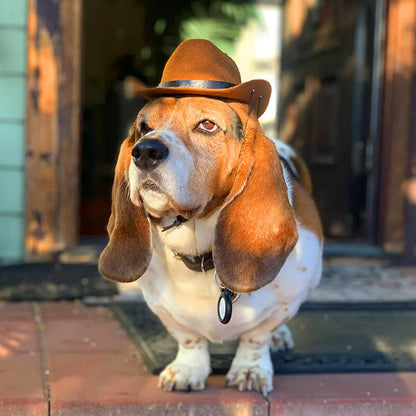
[198, 67]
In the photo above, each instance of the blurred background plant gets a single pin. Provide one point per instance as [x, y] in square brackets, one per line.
[221, 22]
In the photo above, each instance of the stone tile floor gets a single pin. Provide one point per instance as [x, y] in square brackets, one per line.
[355, 280]
[65, 359]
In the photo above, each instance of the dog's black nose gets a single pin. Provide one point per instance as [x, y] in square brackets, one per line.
[149, 153]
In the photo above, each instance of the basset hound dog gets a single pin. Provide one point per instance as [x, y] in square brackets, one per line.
[215, 218]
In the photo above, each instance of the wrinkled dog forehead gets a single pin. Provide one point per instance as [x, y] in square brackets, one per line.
[183, 114]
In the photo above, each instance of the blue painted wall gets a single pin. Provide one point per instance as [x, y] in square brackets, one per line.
[13, 52]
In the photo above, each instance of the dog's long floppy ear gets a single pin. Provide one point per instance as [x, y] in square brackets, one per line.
[128, 251]
[256, 229]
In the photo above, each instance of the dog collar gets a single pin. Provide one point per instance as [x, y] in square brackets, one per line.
[179, 220]
[201, 263]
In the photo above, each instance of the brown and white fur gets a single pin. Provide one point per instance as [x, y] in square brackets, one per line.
[243, 205]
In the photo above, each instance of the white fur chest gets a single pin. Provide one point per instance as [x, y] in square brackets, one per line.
[191, 297]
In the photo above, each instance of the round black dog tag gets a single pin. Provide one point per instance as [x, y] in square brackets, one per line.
[225, 306]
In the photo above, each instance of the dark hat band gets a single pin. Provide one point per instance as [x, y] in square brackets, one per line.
[197, 83]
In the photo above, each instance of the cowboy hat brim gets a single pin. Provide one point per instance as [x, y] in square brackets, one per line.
[255, 93]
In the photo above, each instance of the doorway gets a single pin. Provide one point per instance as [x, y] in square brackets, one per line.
[107, 109]
[325, 109]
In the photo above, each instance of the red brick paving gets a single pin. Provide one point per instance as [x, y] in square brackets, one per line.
[86, 335]
[17, 336]
[51, 311]
[22, 388]
[95, 370]
[344, 394]
[21, 384]
[11, 311]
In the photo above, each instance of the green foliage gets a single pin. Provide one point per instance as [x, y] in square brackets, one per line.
[168, 22]
[221, 22]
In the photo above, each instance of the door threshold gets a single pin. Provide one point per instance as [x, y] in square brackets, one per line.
[353, 249]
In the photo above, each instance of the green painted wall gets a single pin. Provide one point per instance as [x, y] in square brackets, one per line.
[13, 32]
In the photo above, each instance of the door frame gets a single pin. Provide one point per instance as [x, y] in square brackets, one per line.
[53, 127]
[373, 148]
[397, 220]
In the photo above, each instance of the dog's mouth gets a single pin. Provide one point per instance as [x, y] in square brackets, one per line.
[149, 185]
[157, 202]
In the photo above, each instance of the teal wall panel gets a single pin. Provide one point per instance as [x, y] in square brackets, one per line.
[13, 57]
[12, 50]
[12, 98]
[12, 145]
[11, 237]
[11, 191]
[13, 12]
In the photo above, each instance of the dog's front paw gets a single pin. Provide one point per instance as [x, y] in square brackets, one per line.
[282, 339]
[255, 377]
[179, 376]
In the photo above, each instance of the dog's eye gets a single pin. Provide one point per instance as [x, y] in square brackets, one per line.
[144, 128]
[207, 126]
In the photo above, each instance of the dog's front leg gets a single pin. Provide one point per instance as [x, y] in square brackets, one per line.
[252, 366]
[191, 367]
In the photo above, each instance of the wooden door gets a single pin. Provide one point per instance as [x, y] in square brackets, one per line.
[325, 103]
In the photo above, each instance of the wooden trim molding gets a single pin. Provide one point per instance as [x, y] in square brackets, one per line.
[53, 126]
[398, 103]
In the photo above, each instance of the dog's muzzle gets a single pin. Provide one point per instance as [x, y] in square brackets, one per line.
[149, 153]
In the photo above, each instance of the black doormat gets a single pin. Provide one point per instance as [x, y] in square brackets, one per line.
[52, 281]
[370, 340]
